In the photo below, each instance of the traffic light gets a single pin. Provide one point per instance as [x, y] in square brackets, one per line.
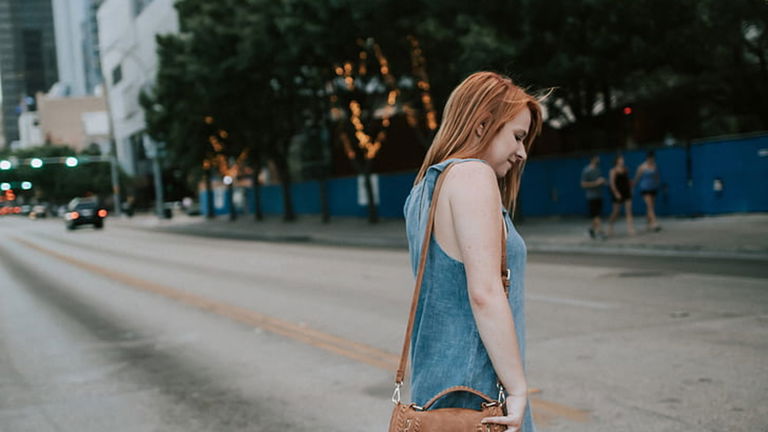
[627, 110]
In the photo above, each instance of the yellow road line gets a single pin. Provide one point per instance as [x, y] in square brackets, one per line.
[350, 349]
[544, 411]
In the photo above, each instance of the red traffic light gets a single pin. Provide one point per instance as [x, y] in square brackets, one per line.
[627, 110]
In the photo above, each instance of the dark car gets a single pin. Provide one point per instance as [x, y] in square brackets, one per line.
[85, 211]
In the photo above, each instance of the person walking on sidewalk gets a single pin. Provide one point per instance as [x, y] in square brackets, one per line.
[467, 331]
[647, 180]
[621, 192]
[592, 182]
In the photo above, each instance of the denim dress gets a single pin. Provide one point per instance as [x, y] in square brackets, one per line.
[446, 349]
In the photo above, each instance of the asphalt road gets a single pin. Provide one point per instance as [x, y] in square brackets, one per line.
[130, 330]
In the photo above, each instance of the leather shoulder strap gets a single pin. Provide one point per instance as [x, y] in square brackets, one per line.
[400, 375]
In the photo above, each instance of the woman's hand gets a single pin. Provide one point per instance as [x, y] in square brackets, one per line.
[514, 418]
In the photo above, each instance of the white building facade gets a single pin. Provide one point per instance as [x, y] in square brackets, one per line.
[127, 31]
[30, 133]
[68, 19]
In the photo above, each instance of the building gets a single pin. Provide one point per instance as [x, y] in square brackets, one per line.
[77, 46]
[127, 31]
[77, 122]
[30, 132]
[90, 43]
[27, 58]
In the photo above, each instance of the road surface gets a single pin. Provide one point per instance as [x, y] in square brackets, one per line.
[130, 330]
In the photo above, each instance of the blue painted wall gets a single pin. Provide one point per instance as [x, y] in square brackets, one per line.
[551, 186]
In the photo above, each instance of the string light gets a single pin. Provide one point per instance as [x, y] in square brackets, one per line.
[419, 68]
[366, 146]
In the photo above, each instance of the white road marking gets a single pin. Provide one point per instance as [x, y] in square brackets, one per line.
[571, 302]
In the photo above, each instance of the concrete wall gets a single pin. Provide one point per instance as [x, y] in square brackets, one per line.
[551, 186]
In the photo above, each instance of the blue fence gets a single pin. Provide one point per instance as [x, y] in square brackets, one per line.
[551, 186]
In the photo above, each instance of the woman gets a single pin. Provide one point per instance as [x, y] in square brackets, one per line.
[466, 331]
[621, 191]
[647, 180]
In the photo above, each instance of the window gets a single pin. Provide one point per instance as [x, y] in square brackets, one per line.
[139, 5]
[117, 74]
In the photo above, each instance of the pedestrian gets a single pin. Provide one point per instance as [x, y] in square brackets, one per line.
[466, 331]
[621, 192]
[592, 181]
[647, 179]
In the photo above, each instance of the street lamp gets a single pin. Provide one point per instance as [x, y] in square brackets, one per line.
[36, 163]
[5, 165]
[26, 185]
[71, 162]
[5, 186]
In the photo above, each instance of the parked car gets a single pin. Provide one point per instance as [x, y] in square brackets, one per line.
[38, 211]
[85, 211]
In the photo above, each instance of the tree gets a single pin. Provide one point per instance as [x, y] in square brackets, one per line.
[57, 183]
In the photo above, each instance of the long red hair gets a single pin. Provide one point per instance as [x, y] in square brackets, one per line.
[491, 100]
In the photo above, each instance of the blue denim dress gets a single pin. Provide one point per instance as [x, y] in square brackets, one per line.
[446, 349]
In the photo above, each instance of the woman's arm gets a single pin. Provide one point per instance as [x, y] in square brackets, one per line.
[475, 203]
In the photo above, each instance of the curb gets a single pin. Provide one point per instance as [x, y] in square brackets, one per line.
[671, 251]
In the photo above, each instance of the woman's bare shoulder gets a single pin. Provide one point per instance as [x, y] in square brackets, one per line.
[472, 181]
[472, 172]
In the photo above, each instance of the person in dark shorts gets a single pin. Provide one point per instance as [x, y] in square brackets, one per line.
[621, 194]
[592, 182]
[647, 180]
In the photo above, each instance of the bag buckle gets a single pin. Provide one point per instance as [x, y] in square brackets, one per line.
[502, 396]
[396, 394]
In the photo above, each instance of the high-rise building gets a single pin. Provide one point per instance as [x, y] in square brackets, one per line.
[77, 46]
[27, 58]
[128, 49]
[91, 51]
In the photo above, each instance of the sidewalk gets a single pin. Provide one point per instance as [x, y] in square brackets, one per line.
[740, 236]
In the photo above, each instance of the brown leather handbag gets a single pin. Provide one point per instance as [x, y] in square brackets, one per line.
[413, 418]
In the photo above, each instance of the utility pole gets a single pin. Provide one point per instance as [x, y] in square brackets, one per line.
[114, 173]
[154, 151]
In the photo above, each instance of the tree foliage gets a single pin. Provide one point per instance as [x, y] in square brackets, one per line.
[265, 70]
[57, 183]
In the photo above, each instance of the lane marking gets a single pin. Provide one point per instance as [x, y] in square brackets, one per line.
[570, 302]
[335, 344]
[544, 411]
